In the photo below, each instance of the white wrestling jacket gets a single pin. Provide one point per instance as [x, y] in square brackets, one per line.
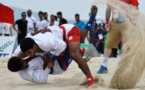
[35, 72]
[52, 41]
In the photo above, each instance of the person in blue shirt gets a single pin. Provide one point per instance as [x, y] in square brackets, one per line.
[79, 23]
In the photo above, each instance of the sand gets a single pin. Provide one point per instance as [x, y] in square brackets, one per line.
[69, 80]
[132, 63]
[130, 68]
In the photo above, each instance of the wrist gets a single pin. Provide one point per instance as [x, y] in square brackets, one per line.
[107, 21]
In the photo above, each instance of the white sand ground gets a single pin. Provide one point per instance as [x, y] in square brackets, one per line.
[67, 81]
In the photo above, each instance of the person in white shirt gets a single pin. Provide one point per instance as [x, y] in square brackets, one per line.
[31, 22]
[1, 29]
[45, 16]
[56, 18]
[35, 69]
[7, 29]
[53, 22]
[41, 24]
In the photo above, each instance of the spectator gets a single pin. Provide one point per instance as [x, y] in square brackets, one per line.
[53, 22]
[62, 20]
[55, 18]
[45, 16]
[22, 27]
[116, 29]
[31, 22]
[41, 24]
[100, 33]
[1, 29]
[92, 37]
[79, 23]
[7, 29]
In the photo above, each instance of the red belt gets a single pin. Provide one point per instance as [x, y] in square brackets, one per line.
[99, 41]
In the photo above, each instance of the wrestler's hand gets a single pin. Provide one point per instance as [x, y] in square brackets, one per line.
[50, 64]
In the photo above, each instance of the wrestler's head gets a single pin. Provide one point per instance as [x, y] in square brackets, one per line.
[16, 64]
[29, 47]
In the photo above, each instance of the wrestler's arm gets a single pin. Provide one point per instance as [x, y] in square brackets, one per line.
[55, 45]
[39, 75]
[41, 31]
[48, 61]
[19, 53]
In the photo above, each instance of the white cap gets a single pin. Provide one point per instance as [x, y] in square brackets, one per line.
[99, 20]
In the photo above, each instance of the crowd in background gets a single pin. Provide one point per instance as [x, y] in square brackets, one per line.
[28, 23]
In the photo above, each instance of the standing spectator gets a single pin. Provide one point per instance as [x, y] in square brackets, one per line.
[31, 22]
[100, 33]
[7, 29]
[22, 27]
[116, 29]
[62, 20]
[55, 18]
[41, 24]
[45, 16]
[1, 28]
[79, 23]
[92, 37]
[53, 22]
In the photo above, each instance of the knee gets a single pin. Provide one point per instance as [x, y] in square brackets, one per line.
[72, 54]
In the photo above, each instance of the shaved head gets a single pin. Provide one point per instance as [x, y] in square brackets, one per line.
[29, 12]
